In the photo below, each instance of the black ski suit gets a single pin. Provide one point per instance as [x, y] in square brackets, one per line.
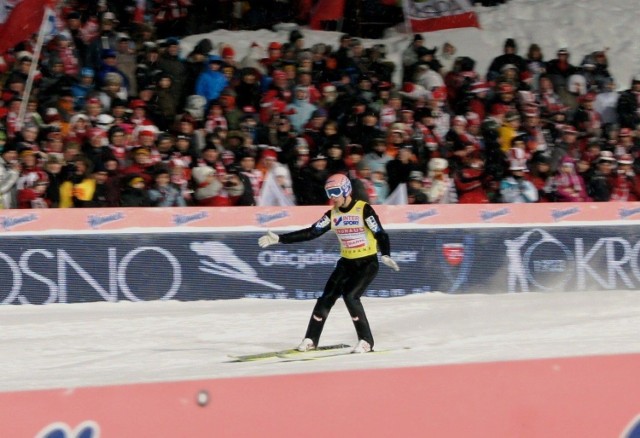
[352, 274]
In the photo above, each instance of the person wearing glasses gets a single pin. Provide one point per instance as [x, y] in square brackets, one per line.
[361, 235]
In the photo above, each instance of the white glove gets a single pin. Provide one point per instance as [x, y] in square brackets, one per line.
[390, 263]
[268, 239]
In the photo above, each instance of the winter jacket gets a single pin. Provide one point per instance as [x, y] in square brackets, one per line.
[8, 179]
[627, 109]
[518, 190]
[210, 84]
[77, 194]
[302, 111]
[470, 185]
[167, 196]
[132, 197]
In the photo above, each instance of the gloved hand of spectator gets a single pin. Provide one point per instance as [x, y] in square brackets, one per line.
[390, 263]
[269, 239]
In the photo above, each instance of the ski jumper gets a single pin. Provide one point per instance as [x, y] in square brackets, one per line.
[360, 234]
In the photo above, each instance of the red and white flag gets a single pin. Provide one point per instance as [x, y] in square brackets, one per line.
[326, 10]
[141, 8]
[20, 19]
[432, 15]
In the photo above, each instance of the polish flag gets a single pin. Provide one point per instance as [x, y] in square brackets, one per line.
[20, 19]
[433, 15]
[326, 10]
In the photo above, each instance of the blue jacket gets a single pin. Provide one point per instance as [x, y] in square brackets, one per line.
[210, 84]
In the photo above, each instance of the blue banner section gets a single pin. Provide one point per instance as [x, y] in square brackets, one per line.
[204, 266]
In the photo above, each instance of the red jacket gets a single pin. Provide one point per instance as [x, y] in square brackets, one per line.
[469, 183]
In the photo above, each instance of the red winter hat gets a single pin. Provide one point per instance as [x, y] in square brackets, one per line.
[439, 93]
[148, 130]
[473, 119]
[269, 153]
[228, 52]
[589, 97]
[279, 106]
[479, 87]
[137, 103]
[625, 159]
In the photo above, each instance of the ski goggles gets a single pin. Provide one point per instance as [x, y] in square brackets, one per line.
[334, 192]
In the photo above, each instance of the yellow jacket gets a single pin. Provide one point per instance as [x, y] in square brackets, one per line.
[506, 133]
[82, 191]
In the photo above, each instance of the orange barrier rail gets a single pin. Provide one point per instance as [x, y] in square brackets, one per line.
[109, 219]
[597, 396]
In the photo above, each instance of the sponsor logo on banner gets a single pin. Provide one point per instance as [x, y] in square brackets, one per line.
[487, 215]
[456, 259]
[633, 429]
[302, 259]
[561, 214]
[539, 259]
[86, 429]
[628, 212]
[219, 259]
[266, 218]
[183, 219]
[415, 217]
[9, 222]
[453, 253]
[56, 285]
[432, 15]
[96, 221]
[299, 259]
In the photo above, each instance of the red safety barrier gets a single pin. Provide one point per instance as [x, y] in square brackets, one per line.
[584, 397]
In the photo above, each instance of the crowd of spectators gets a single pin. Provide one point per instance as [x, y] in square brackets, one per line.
[117, 117]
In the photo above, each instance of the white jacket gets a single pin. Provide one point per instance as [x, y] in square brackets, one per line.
[8, 179]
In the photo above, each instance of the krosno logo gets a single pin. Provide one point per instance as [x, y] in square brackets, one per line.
[559, 214]
[182, 219]
[265, 218]
[626, 212]
[96, 221]
[488, 215]
[414, 217]
[10, 222]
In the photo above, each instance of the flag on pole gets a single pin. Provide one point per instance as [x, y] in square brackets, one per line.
[399, 196]
[272, 194]
[326, 10]
[20, 19]
[432, 15]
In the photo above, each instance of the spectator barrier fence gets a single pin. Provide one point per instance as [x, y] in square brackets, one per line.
[84, 255]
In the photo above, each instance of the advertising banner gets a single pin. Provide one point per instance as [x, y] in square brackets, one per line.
[223, 265]
[432, 15]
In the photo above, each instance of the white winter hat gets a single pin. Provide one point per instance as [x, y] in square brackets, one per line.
[438, 164]
[200, 173]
